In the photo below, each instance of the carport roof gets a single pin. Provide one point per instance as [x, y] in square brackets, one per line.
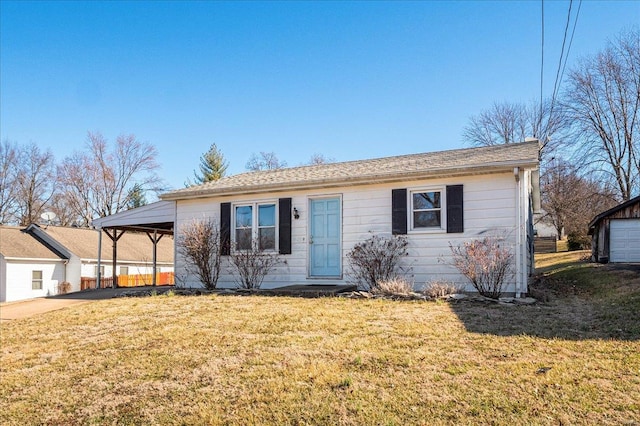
[158, 217]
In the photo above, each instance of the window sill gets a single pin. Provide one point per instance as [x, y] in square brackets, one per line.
[427, 231]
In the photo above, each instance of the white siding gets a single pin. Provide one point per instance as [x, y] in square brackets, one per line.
[89, 268]
[3, 279]
[19, 279]
[489, 207]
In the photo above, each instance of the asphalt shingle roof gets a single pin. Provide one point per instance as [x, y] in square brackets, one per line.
[388, 169]
[17, 244]
[83, 242]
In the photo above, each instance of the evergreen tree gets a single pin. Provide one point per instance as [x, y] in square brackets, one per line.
[136, 197]
[213, 166]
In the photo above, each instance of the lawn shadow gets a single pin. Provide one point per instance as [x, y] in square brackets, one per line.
[570, 318]
[576, 301]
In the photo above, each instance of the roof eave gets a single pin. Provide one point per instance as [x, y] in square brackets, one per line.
[354, 181]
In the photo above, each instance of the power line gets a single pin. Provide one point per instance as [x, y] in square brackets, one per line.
[541, 61]
[562, 64]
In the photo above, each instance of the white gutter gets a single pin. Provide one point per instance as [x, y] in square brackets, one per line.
[35, 259]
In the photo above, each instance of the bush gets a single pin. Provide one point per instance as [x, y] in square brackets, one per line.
[485, 263]
[250, 266]
[440, 288]
[64, 287]
[199, 244]
[394, 286]
[576, 241]
[376, 260]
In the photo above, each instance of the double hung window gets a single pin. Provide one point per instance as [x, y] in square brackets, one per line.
[36, 280]
[426, 209]
[255, 226]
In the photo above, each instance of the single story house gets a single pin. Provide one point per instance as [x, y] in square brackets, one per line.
[35, 260]
[314, 215]
[28, 269]
[616, 233]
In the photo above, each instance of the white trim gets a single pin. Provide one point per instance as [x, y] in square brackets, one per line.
[443, 210]
[37, 259]
[255, 206]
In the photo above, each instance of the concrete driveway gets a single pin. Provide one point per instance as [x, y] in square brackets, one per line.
[27, 308]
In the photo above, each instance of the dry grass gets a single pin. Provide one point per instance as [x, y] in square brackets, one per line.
[546, 262]
[261, 360]
[393, 286]
[440, 288]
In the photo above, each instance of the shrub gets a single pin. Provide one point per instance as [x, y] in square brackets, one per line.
[485, 263]
[199, 244]
[394, 286]
[64, 287]
[577, 241]
[250, 266]
[440, 288]
[377, 259]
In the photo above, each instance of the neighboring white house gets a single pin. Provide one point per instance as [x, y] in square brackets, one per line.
[543, 228]
[27, 269]
[62, 254]
[313, 215]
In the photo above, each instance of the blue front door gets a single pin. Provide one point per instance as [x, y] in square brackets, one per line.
[324, 238]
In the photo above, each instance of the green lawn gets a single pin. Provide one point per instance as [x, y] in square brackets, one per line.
[279, 360]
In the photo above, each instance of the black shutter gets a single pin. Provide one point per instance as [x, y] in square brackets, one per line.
[225, 229]
[398, 211]
[284, 225]
[455, 211]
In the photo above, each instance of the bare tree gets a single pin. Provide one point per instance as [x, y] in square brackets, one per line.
[100, 182]
[75, 178]
[8, 176]
[264, 161]
[199, 244]
[35, 183]
[505, 123]
[61, 206]
[570, 201]
[317, 159]
[602, 100]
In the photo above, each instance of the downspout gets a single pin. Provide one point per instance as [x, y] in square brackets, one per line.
[516, 174]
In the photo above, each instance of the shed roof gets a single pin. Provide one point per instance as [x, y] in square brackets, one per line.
[17, 244]
[388, 169]
[611, 211]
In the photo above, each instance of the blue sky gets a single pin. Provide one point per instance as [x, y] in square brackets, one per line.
[349, 80]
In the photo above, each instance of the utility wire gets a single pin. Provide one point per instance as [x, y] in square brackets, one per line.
[573, 31]
[562, 64]
[541, 61]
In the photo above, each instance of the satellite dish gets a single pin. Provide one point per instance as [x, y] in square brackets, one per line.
[48, 216]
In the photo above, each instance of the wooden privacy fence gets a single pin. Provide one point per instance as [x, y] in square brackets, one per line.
[545, 244]
[162, 278]
[86, 282]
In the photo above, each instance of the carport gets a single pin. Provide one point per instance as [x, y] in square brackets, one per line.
[156, 220]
